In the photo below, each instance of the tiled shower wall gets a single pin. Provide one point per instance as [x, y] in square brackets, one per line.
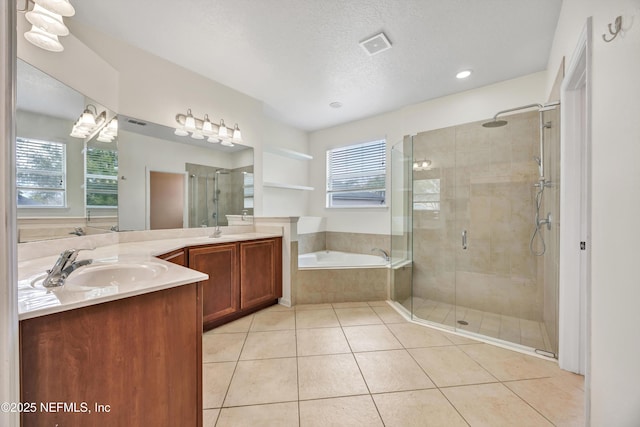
[485, 179]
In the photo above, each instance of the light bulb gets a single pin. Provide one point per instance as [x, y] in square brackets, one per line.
[197, 135]
[43, 39]
[190, 122]
[226, 143]
[222, 130]
[181, 132]
[237, 135]
[213, 140]
[47, 21]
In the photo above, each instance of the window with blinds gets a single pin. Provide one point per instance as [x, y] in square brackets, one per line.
[102, 178]
[40, 173]
[247, 189]
[356, 175]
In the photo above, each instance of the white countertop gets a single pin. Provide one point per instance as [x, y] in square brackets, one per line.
[34, 301]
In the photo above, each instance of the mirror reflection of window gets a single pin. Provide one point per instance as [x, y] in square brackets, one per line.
[426, 195]
[40, 173]
[102, 178]
[248, 190]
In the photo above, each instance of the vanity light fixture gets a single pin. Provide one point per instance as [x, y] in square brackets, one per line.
[420, 165]
[88, 122]
[46, 18]
[188, 125]
[109, 132]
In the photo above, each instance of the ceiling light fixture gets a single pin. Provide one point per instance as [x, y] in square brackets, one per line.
[188, 125]
[88, 122]
[463, 74]
[47, 22]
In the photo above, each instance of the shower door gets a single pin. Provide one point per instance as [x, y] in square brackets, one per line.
[472, 208]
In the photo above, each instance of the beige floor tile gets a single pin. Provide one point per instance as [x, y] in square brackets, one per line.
[329, 376]
[303, 307]
[493, 405]
[413, 336]
[263, 381]
[395, 370]
[449, 366]
[558, 400]
[269, 345]
[378, 303]
[507, 365]
[316, 319]
[371, 338]
[270, 415]
[273, 321]
[209, 417]
[417, 409]
[388, 314]
[349, 304]
[216, 378]
[357, 316]
[222, 347]
[277, 307]
[315, 342]
[241, 325]
[355, 411]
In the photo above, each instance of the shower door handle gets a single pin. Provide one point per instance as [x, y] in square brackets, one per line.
[464, 239]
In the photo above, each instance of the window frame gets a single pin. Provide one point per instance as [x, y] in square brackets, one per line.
[370, 173]
[62, 173]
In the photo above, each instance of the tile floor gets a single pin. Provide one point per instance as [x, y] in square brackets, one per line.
[508, 328]
[362, 364]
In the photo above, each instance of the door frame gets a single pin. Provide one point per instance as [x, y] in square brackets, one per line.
[575, 208]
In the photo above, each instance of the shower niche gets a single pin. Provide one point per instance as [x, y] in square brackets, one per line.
[464, 215]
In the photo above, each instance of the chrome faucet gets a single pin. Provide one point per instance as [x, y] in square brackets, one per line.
[64, 266]
[384, 253]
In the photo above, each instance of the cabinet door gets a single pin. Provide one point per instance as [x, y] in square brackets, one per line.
[260, 272]
[220, 293]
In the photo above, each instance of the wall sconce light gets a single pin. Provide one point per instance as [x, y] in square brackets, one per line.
[420, 165]
[88, 122]
[109, 132]
[201, 128]
[47, 22]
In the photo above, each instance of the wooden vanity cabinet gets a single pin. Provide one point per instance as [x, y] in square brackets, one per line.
[220, 296]
[243, 277]
[136, 361]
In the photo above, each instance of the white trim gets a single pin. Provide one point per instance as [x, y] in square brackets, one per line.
[574, 292]
[9, 343]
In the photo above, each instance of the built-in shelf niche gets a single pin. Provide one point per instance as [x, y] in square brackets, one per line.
[290, 154]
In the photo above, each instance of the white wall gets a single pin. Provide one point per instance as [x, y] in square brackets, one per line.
[464, 107]
[615, 287]
[284, 170]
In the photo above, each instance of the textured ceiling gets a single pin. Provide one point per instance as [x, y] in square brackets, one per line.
[297, 56]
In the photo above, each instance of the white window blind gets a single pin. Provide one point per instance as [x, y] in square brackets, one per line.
[102, 178]
[356, 175]
[40, 173]
[247, 188]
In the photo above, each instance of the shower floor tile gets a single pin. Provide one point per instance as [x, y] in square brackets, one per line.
[507, 328]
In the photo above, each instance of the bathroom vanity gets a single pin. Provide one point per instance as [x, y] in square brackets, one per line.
[114, 349]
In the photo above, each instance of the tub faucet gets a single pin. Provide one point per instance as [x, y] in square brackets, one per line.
[384, 253]
[64, 266]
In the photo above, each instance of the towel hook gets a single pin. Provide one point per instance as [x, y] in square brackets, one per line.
[614, 33]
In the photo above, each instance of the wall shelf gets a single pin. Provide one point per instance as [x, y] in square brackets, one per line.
[288, 153]
[287, 186]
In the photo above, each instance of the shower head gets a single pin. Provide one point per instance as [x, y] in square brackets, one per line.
[495, 123]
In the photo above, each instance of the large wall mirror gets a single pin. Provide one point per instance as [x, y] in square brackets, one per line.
[101, 183]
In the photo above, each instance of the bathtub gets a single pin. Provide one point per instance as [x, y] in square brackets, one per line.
[331, 276]
[336, 259]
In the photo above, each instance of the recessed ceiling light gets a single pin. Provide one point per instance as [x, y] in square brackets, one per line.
[335, 104]
[463, 74]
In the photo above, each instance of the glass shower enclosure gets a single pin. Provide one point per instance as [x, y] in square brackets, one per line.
[464, 214]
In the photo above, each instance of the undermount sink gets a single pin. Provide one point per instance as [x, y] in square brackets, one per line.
[107, 274]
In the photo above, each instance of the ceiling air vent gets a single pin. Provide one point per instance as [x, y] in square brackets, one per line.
[376, 44]
[136, 122]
